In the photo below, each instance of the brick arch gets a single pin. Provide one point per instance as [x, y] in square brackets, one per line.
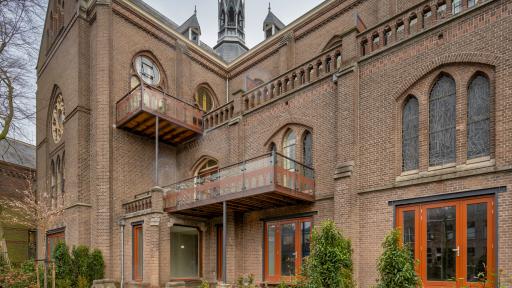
[422, 70]
[280, 126]
[202, 160]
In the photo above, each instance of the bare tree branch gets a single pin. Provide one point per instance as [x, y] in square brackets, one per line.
[20, 31]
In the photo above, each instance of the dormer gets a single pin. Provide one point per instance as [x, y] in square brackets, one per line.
[272, 25]
[191, 29]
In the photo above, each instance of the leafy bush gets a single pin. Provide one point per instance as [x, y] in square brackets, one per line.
[245, 282]
[63, 262]
[96, 265]
[80, 268]
[3, 264]
[396, 265]
[330, 263]
[204, 284]
[15, 278]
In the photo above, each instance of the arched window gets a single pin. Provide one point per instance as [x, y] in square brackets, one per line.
[53, 183]
[289, 148]
[410, 135]
[479, 117]
[442, 122]
[307, 152]
[59, 177]
[209, 167]
[204, 99]
[63, 168]
[231, 16]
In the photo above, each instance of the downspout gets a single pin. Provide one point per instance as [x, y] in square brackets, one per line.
[227, 89]
[121, 224]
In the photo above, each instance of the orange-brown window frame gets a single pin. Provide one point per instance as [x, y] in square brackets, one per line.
[277, 277]
[461, 231]
[55, 236]
[137, 258]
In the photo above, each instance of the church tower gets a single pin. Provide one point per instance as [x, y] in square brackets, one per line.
[231, 43]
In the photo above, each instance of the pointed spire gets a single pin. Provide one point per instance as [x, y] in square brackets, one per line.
[269, 8]
[195, 9]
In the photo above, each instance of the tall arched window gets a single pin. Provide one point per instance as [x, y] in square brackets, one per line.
[289, 149]
[307, 152]
[442, 122]
[204, 99]
[479, 116]
[410, 135]
[53, 184]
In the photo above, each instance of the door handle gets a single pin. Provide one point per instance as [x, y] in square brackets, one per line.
[457, 250]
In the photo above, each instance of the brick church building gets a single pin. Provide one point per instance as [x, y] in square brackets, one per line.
[184, 162]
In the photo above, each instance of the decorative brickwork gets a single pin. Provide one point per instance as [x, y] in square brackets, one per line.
[312, 78]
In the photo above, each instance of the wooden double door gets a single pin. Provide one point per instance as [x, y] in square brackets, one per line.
[453, 241]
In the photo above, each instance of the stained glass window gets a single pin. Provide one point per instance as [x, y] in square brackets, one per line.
[307, 146]
[204, 99]
[410, 135]
[442, 122]
[479, 107]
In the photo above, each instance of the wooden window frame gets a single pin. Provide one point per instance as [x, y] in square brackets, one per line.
[461, 238]
[55, 234]
[277, 277]
[136, 227]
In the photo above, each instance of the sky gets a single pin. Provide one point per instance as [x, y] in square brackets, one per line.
[255, 12]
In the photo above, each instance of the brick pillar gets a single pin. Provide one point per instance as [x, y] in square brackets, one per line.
[101, 129]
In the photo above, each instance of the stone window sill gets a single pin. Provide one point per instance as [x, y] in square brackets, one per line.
[472, 164]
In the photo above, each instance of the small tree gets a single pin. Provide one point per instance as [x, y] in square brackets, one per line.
[30, 209]
[330, 262]
[396, 265]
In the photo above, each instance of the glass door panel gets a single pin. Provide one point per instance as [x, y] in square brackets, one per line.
[476, 242]
[441, 244]
[288, 249]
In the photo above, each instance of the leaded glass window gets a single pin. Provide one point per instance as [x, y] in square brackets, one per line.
[442, 121]
[410, 135]
[307, 146]
[479, 117]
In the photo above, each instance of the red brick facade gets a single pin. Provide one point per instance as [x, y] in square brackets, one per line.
[352, 105]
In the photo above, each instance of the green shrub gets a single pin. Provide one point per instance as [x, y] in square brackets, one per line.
[80, 260]
[204, 284]
[96, 265]
[80, 268]
[63, 263]
[396, 265]
[245, 281]
[3, 264]
[15, 278]
[330, 262]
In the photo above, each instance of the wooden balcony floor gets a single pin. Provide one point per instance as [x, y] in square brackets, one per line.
[265, 197]
[170, 132]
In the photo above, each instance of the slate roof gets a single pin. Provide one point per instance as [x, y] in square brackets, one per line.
[272, 19]
[191, 22]
[142, 5]
[17, 152]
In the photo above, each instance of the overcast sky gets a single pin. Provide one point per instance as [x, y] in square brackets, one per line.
[255, 12]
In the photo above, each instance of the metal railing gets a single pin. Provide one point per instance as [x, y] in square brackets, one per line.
[264, 173]
[152, 100]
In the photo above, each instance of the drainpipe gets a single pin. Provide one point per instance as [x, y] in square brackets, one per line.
[121, 225]
[227, 90]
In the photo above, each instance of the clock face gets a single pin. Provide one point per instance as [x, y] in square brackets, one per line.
[58, 116]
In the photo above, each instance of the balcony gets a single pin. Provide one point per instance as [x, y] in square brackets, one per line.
[178, 121]
[268, 181]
